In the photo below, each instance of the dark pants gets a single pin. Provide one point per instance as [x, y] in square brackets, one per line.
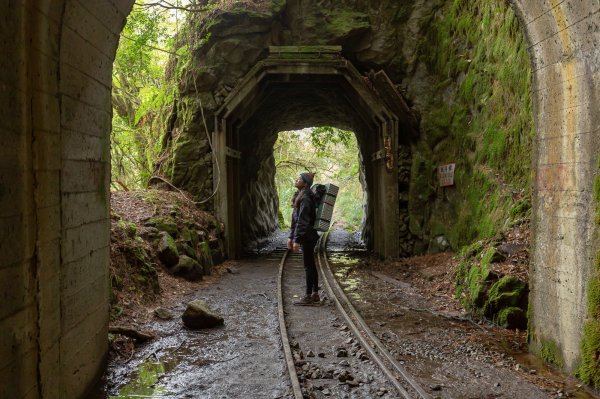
[310, 266]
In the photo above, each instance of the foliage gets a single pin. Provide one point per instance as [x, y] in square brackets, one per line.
[333, 155]
[142, 97]
[479, 116]
[589, 369]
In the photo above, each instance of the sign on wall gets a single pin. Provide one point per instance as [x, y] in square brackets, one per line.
[446, 174]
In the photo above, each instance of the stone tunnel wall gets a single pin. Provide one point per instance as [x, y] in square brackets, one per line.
[55, 90]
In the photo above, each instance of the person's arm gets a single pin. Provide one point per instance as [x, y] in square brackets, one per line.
[303, 220]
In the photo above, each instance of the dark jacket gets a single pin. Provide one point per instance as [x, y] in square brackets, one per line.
[303, 219]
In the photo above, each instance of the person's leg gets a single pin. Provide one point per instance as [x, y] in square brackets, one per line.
[310, 267]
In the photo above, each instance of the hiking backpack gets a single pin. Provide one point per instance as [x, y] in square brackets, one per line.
[325, 196]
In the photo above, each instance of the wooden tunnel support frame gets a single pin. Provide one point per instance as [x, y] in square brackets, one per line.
[384, 107]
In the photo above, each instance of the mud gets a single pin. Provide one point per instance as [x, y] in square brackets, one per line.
[449, 355]
[243, 359]
[439, 344]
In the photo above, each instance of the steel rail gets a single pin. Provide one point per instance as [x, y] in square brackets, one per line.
[376, 357]
[289, 358]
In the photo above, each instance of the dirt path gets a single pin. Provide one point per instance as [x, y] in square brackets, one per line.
[410, 307]
[240, 360]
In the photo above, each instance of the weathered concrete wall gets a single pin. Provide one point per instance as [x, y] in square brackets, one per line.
[564, 42]
[55, 80]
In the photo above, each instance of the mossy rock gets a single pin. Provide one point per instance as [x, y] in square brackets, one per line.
[128, 227]
[512, 317]
[163, 223]
[189, 251]
[505, 293]
[205, 257]
[188, 268]
[167, 250]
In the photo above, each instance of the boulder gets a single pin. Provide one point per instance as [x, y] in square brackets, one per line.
[167, 250]
[188, 268]
[163, 223]
[198, 315]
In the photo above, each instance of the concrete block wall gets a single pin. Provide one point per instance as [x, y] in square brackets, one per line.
[55, 86]
[55, 80]
[564, 44]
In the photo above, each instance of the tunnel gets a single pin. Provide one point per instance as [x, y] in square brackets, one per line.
[295, 88]
[55, 84]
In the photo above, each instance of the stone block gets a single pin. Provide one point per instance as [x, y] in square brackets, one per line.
[23, 369]
[46, 150]
[84, 271]
[83, 354]
[85, 176]
[48, 188]
[89, 26]
[83, 147]
[17, 240]
[84, 118]
[90, 299]
[45, 33]
[48, 259]
[16, 196]
[83, 241]
[18, 335]
[84, 57]
[46, 78]
[78, 85]
[48, 223]
[111, 16]
[82, 208]
[17, 288]
[50, 372]
[46, 109]
[49, 318]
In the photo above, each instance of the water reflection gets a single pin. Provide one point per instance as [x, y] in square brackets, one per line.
[344, 266]
[144, 384]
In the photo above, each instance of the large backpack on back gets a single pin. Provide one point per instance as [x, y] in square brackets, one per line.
[325, 196]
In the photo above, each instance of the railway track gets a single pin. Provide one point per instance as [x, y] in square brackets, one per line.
[329, 348]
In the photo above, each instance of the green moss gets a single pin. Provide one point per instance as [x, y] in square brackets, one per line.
[589, 369]
[550, 352]
[511, 317]
[479, 117]
[345, 22]
[505, 293]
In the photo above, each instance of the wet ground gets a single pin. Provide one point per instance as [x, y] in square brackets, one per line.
[449, 355]
[329, 361]
[243, 359]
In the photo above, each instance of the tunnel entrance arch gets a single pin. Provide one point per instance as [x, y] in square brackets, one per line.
[289, 75]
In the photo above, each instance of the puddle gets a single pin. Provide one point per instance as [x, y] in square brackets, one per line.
[145, 383]
[343, 268]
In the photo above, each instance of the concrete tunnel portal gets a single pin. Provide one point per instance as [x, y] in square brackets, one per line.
[294, 88]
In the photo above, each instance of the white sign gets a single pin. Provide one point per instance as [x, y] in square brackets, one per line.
[446, 174]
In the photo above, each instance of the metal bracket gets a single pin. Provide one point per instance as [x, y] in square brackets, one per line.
[378, 155]
[230, 152]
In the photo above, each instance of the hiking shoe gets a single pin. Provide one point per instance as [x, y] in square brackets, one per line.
[305, 300]
[315, 297]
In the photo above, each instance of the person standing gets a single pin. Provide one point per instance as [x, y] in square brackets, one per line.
[303, 235]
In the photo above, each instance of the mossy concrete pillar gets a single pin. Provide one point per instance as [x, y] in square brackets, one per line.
[564, 44]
